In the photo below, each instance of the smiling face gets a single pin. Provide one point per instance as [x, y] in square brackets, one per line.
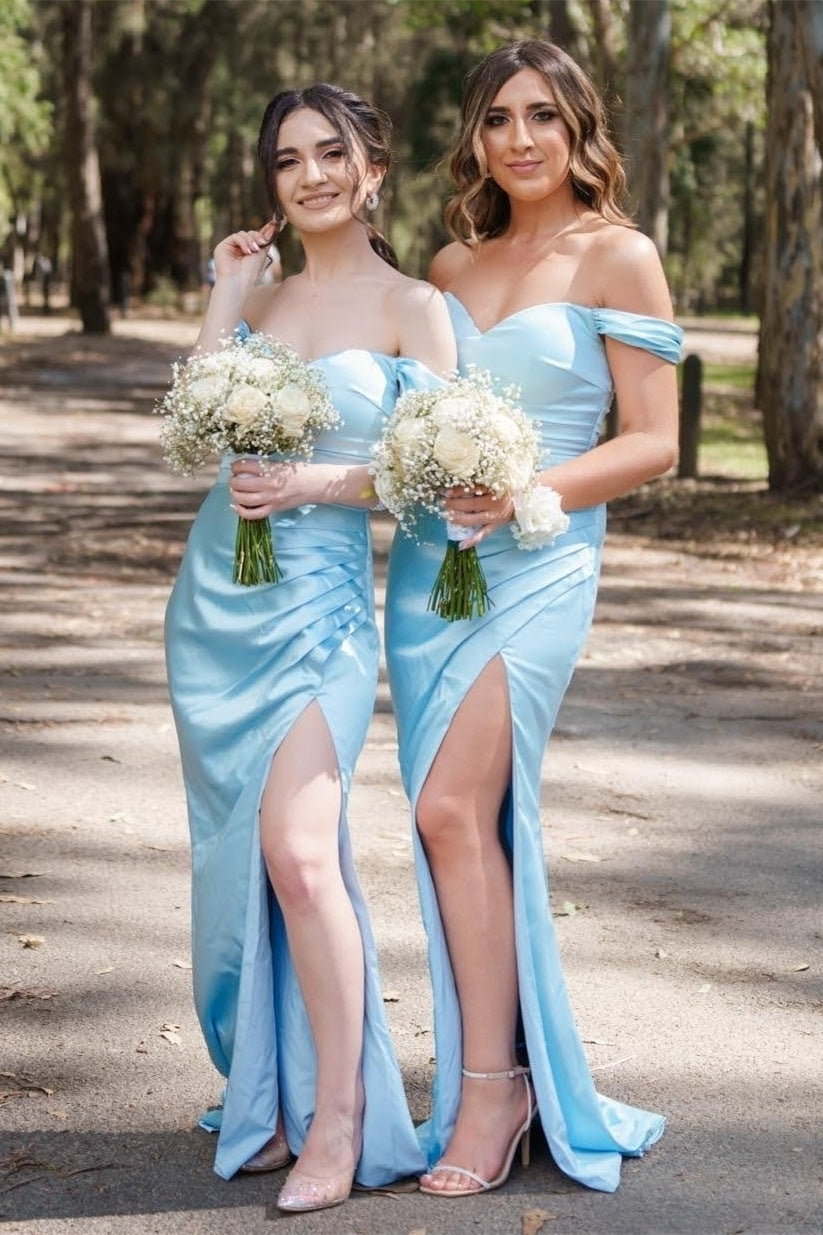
[318, 183]
[525, 141]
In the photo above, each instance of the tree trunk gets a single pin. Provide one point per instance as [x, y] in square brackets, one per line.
[604, 68]
[790, 372]
[811, 41]
[90, 268]
[646, 116]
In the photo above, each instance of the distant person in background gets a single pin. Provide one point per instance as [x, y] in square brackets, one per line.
[553, 291]
[273, 686]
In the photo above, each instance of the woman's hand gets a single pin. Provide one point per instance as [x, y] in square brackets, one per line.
[243, 254]
[479, 511]
[258, 489]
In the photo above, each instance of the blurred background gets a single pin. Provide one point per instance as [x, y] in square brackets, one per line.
[128, 132]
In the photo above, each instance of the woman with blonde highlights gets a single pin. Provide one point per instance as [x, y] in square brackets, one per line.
[551, 289]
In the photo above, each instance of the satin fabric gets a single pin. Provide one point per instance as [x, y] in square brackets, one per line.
[243, 664]
[542, 606]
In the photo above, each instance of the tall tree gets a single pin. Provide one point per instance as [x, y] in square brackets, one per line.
[90, 274]
[790, 373]
[646, 119]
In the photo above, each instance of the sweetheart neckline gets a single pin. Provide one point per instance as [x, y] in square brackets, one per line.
[529, 308]
[342, 351]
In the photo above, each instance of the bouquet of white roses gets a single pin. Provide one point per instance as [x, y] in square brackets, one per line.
[252, 396]
[463, 435]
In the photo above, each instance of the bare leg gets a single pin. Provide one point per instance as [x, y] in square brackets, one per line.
[299, 819]
[457, 815]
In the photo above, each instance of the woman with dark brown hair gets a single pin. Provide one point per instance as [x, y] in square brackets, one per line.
[552, 290]
[273, 686]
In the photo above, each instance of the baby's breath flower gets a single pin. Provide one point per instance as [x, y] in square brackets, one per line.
[251, 396]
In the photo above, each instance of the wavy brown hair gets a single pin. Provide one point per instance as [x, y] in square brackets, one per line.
[358, 124]
[480, 209]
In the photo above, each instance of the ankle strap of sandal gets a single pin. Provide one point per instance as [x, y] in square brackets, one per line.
[496, 1076]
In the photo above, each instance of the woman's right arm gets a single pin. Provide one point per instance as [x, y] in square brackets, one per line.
[238, 261]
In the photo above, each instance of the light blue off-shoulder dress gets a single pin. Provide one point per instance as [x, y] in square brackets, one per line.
[542, 606]
[243, 664]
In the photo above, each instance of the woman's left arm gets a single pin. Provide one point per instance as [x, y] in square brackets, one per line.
[646, 390]
[258, 490]
[644, 384]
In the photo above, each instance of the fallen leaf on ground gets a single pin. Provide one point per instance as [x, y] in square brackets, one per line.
[22, 874]
[31, 941]
[567, 910]
[597, 1042]
[105, 969]
[391, 997]
[534, 1219]
[171, 1033]
[9, 898]
[182, 964]
[581, 857]
[707, 986]
[141, 1048]
[661, 954]
[799, 968]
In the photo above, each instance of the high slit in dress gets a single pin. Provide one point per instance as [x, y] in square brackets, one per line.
[542, 606]
[243, 664]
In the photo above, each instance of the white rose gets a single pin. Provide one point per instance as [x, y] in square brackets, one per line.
[213, 363]
[206, 391]
[519, 473]
[409, 431]
[244, 406]
[293, 408]
[456, 452]
[539, 517]
[504, 429]
[449, 410]
[260, 369]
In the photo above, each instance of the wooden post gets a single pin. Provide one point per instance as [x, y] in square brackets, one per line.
[8, 295]
[690, 402]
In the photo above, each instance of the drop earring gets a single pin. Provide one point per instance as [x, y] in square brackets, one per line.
[372, 201]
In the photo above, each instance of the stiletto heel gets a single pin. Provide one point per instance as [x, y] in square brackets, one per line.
[522, 1137]
[526, 1147]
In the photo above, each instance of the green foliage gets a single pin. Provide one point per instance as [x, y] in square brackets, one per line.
[731, 435]
[25, 119]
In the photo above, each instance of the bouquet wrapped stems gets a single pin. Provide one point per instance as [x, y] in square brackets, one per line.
[460, 589]
[254, 560]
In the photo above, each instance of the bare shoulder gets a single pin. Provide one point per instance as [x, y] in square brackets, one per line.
[423, 326]
[448, 264]
[629, 272]
[259, 303]
[408, 295]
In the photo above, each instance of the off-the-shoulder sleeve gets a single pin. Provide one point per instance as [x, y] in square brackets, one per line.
[242, 330]
[653, 334]
[414, 375]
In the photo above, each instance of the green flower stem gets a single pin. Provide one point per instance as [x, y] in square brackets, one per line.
[460, 589]
[254, 560]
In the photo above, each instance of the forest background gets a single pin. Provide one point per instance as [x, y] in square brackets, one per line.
[128, 132]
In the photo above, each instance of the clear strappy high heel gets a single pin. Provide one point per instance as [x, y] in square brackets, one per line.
[522, 1137]
[274, 1155]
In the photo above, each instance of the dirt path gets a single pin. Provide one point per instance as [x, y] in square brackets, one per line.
[682, 799]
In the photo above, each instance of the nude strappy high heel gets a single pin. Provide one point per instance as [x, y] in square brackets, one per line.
[522, 1137]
